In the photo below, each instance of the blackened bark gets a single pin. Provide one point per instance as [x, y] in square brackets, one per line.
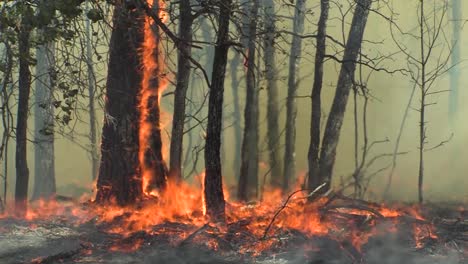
[314, 148]
[153, 157]
[291, 107]
[273, 113]
[119, 177]
[343, 88]
[44, 159]
[213, 186]
[248, 177]
[22, 170]
[183, 77]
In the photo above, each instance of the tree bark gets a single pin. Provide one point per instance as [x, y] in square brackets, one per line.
[183, 78]
[152, 162]
[91, 100]
[248, 177]
[22, 170]
[44, 159]
[213, 186]
[291, 107]
[315, 134]
[344, 85]
[119, 176]
[273, 113]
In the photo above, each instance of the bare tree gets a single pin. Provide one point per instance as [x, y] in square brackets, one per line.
[91, 99]
[343, 88]
[213, 185]
[291, 107]
[314, 148]
[248, 177]
[44, 158]
[183, 78]
[273, 112]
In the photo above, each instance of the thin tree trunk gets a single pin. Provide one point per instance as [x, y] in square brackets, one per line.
[314, 148]
[345, 83]
[183, 78]
[22, 170]
[235, 88]
[91, 101]
[291, 107]
[44, 159]
[119, 175]
[422, 113]
[236, 63]
[248, 177]
[273, 113]
[397, 142]
[213, 186]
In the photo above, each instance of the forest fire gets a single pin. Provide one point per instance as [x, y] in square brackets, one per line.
[255, 229]
[146, 212]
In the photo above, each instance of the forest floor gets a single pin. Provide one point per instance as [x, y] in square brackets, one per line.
[63, 240]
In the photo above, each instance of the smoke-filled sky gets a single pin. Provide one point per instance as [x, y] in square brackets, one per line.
[445, 167]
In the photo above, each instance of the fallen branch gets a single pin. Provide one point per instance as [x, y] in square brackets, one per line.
[286, 204]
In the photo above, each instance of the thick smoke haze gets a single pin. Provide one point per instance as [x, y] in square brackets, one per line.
[445, 174]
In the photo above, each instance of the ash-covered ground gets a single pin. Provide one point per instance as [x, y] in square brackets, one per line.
[60, 240]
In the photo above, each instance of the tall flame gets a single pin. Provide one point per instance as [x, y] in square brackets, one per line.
[152, 85]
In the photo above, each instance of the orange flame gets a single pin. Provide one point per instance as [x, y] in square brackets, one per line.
[152, 68]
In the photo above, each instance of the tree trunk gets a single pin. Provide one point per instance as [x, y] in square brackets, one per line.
[343, 88]
[273, 113]
[248, 177]
[44, 160]
[22, 170]
[314, 148]
[291, 107]
[236, 63]
[213, 186]
[154, 170]
[91, 101]
[119, 176]
[183, 78]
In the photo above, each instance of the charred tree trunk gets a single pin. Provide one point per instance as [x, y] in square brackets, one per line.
[91, 101]
[152, 162]
[314, 148]
[343, 88]
[183, 78]
[119, 177]
[273, 112]
[248, 177]
[44, 159]
[22, 170]
[213, 186]
[291, 107]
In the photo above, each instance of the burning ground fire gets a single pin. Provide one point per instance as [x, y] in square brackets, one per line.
[255, 228]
